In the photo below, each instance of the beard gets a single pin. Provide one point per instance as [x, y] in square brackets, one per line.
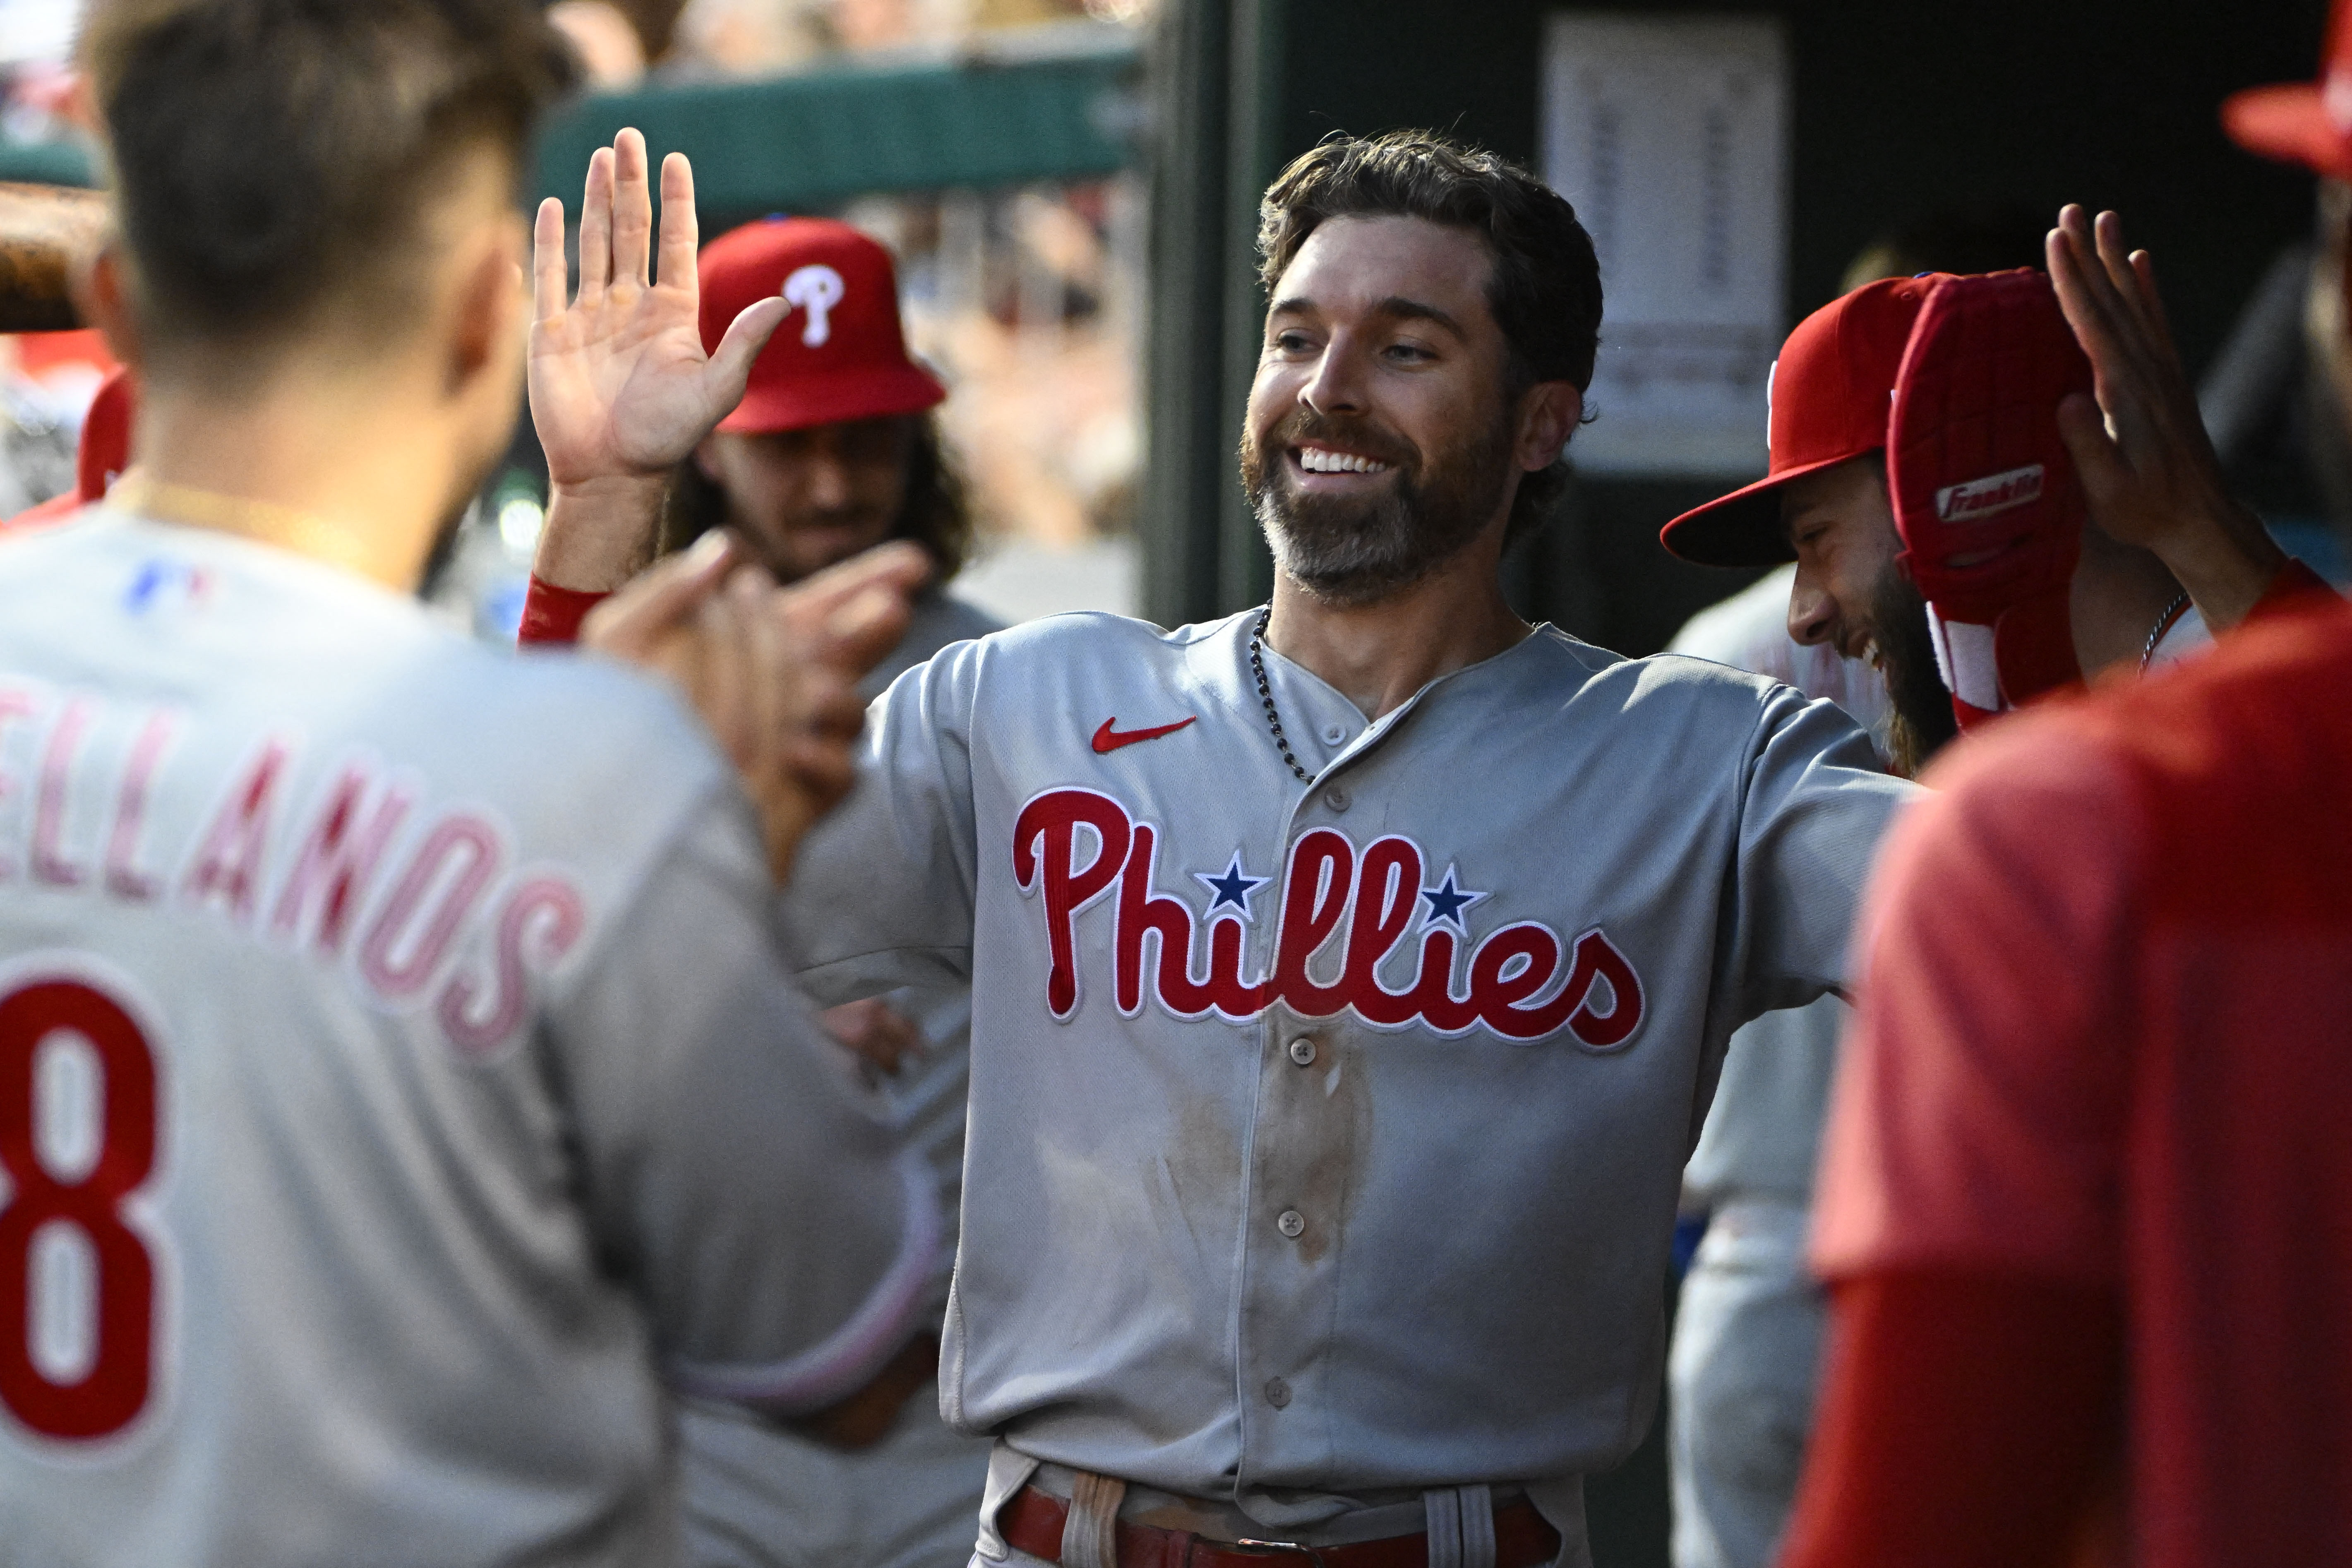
[1904, 655]
[1352, 551]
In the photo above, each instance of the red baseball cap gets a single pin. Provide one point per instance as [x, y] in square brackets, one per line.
[104, 453]
[1831, 391]
[840, 355]
[105, 449]
[2307, 123]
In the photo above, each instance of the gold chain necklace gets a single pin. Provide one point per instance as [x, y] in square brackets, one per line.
[289, 528]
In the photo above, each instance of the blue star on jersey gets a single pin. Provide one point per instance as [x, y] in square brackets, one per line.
[1447, 902]
[1235, 886]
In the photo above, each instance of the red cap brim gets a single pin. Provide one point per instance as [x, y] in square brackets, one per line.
[1742, 528]
[802, 402]
[2287, 122]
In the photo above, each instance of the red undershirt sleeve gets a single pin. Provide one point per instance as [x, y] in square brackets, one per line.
[1967, 1419]
[553, 614]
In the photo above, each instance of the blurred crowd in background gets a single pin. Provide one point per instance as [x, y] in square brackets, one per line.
[1026, 301]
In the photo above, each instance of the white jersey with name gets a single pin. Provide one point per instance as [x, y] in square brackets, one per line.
[398, 1083]
[1324, 1140]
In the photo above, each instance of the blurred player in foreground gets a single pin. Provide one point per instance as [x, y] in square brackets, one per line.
[398, 1083]
[832, 450]
[2086, 1191]
[1271, 922]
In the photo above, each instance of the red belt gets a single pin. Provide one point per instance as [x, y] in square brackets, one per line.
[1032, 1523]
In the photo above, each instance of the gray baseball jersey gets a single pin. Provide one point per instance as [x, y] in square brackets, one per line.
[1324, 1140]
[397, 1080]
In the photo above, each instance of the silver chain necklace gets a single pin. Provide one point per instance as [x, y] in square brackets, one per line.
[2155, 635]
[1265, 694]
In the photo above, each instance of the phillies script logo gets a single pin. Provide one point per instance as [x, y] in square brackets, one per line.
[1076, 846]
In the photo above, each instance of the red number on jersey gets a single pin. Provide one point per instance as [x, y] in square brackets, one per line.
[108, 1396]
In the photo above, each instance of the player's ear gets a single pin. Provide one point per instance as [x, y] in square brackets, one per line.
[1548, 412]
[101, 297]
[488, 311]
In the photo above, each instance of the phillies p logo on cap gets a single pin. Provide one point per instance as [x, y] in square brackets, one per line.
[815, 288]
[841, 355]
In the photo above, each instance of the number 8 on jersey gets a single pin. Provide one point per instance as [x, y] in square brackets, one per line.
[104, 1380]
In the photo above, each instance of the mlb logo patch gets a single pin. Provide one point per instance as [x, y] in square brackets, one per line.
[161, 582]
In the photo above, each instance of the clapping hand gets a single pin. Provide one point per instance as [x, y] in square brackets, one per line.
[774, 671]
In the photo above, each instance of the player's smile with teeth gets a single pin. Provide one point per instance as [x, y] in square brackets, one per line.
[1323, 460]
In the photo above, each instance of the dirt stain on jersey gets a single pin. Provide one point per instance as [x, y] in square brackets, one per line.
[1203, 1163]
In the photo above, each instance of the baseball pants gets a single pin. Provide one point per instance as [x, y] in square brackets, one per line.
[1747, 1350]
[759, 1497]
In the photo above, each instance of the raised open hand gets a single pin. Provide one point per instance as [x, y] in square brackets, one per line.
[620, 388]
[2146, 465]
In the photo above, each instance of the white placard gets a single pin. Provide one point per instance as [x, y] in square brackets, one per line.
[1670, 135]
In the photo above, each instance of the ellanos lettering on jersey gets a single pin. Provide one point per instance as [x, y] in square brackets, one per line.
[1074, 849]
[360, 871]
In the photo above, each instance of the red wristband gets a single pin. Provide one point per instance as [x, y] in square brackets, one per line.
[553, 614]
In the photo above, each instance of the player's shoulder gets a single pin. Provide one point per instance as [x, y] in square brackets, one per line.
[1079, 640]
[257, 636]
[607, 700]
[1660, 682]
[586, 752]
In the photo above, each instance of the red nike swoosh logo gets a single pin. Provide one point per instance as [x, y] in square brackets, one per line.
[1110, 740]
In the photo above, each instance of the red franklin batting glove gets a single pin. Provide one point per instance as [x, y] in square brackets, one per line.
[1985, 500]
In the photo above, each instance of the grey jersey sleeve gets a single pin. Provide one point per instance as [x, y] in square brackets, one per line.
[781, 1239]
[1814, 807]
[882, 890]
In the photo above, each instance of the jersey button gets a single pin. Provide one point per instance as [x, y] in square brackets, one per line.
[1336, 799]
[1333, 734]
[1291, 1223]
[1302, 1051]
[1278, 1393]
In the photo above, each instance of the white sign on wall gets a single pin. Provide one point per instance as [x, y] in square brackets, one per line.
[1670, 135]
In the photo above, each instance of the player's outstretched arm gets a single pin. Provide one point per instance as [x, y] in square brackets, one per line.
[773, 671]
[2146, 465]
[620, 388]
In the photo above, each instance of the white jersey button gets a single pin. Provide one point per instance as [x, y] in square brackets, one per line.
[1302, 1051]
[1278, 1393]
[1333, 734]
[1291, 1223]
[1336, 799]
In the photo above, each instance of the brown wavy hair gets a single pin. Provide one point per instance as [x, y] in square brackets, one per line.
[936, 514]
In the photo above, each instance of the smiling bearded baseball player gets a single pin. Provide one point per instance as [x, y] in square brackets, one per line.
[1348, 976]
[383, 1128]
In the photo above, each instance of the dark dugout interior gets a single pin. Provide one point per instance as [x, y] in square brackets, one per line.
[1897, 111]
